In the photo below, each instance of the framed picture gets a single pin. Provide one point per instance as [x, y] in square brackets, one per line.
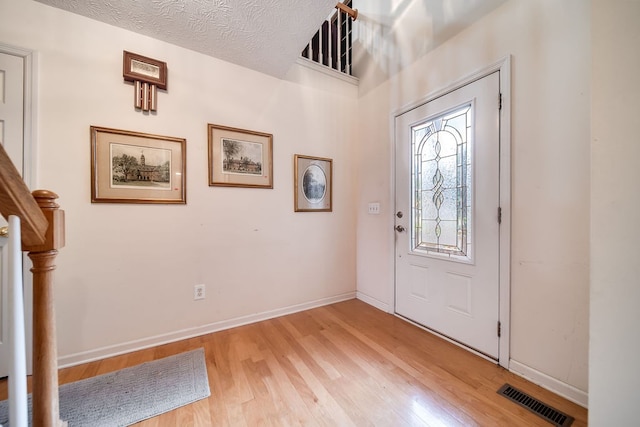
[140, 68]
[240, 158]
[134, 167]
[313, 184]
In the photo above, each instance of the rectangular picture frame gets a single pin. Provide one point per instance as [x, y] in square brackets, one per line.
[136, 167]
[239, 157]
[144, 69]
[313, 183]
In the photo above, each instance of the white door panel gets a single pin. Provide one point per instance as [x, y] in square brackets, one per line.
[11, 137]
[447, 188]
[11, 106]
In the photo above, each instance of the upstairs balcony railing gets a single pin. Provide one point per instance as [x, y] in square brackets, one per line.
[331, 45]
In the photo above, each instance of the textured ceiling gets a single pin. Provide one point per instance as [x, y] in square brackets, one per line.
[263, 35]
[268, 35]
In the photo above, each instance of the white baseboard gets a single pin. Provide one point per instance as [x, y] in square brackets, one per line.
[127, 347]
[543, 380]
[374, 302]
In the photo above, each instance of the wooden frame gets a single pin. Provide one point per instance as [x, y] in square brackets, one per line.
[141, 68]
[313, 189]
[134, 167]
[240, 158]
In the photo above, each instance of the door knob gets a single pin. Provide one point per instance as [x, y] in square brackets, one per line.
[399, 214]
[399, 228]
[4, 231]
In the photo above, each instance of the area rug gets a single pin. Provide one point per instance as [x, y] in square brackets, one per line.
[132, 394]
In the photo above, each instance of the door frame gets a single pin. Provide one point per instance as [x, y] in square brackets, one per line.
[30, 109]
[504, 131]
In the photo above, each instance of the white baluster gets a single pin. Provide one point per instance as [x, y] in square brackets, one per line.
[349, 48]
[339, 40]
[330, 42]
[18, 364]
[320, 51]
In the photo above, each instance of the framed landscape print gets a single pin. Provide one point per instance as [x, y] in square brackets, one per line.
[313, 184]
[240, 158]
[134, 167]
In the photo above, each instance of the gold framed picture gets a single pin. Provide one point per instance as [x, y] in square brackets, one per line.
[135, 167]
[313, 178]
[141, 68]
[239, 157]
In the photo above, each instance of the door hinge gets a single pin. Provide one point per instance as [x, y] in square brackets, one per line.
[499, 329]
[499, 215]
[499, 101]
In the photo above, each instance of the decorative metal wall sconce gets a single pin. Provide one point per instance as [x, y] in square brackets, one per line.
[147, 75]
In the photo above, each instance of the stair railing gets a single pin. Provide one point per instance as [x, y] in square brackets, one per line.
[41, 226]
[331, 45]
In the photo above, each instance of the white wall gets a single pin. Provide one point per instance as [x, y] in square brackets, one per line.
[614, 376]
[126, 275]
[550, 46]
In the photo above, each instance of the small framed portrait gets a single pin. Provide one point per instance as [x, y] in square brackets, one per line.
[313, 183]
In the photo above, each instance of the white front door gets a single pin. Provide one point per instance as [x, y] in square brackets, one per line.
[447, 230]
[12, 138]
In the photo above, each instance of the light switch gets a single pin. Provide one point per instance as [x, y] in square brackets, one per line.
[374, 208]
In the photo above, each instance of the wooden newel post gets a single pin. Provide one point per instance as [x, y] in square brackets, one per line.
[46, 409]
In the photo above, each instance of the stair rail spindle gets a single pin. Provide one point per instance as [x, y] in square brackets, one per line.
[339, 41]
[18, 410]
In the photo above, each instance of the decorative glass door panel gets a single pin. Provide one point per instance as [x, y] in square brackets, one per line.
[441, 185]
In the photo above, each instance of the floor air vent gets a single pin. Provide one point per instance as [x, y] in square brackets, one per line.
[550, 414]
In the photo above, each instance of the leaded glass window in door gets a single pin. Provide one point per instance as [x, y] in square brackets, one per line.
[442, 184]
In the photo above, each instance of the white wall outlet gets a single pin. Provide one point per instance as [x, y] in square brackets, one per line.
[198, 292]
[374, 208]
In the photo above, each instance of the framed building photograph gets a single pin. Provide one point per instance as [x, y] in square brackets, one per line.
[134, 167]
[313, 184]
[240, 158]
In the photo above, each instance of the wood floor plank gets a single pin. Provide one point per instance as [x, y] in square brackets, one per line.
[343, 364]
[201, 415]
[324, 405]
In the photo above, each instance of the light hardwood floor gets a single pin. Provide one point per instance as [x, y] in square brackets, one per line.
[340, 365]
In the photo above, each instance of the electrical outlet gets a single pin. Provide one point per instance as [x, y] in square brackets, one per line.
[198, 292]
